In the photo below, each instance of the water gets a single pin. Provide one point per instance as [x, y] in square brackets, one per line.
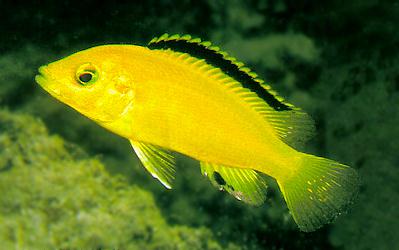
[79, 186]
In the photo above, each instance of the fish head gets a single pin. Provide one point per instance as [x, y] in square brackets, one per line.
[91, 82]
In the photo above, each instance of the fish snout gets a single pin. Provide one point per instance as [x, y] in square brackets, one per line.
[42, 70]
[41, 77]
[48, 85]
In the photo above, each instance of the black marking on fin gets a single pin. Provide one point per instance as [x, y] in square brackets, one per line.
[219, 179]
[216, 59]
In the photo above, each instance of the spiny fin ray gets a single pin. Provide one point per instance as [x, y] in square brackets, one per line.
[291, 124]
[229, 65]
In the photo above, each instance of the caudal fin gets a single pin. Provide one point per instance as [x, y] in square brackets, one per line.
[319, 191]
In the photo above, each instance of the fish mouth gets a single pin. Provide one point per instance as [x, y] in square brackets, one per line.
[41, 78]
[43, 81]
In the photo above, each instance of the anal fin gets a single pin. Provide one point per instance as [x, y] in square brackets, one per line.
[158, 161]
[244, 184]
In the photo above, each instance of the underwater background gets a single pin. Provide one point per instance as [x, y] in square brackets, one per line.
[66, 183]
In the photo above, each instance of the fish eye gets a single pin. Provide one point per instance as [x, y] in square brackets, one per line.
[87, 74]
[85, 77]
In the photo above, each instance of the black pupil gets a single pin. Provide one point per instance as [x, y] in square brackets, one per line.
[85, 77]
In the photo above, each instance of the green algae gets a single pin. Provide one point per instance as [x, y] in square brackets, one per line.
[54, 196]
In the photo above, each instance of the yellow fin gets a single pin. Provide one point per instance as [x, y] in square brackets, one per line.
[294, 127]
[158, 161]
[319, 191]
[222, 60]
[291, 124]
[244, 184]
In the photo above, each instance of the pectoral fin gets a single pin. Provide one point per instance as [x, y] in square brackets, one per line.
[158, 161]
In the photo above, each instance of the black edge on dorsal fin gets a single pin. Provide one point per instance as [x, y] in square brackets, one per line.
[214, 57]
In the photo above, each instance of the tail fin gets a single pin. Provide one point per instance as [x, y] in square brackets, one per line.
[319, 191]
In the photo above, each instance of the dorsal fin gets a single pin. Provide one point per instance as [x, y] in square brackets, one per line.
[219, 59]
[291, 124]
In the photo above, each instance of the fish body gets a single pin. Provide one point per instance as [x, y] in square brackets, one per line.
[183, 108]
[179, 94]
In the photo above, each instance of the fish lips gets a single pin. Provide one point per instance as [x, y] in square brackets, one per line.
[44, 82]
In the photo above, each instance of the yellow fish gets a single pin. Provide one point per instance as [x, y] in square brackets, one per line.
[184, 95]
